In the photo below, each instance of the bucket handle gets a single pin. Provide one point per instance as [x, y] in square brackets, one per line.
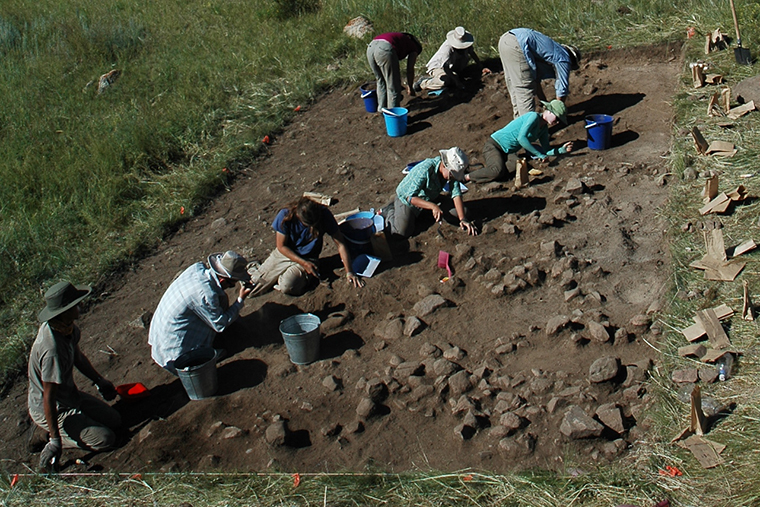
[367, 94]
[391, 113]
[592, 125]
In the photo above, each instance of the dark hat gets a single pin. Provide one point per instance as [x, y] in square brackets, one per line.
[61, 297]
[229, 264]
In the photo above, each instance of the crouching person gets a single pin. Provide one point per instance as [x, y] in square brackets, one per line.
[73, 419]
[422, 187]
[195, 307]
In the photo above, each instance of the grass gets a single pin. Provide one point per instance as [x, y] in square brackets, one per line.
[88, 183]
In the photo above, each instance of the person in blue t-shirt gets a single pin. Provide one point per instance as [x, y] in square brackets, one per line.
[291, 267]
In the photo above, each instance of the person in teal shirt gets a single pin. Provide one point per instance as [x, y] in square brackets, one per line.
[519, 134]
[422, 187]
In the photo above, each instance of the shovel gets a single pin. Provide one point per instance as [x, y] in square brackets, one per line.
[742, 55]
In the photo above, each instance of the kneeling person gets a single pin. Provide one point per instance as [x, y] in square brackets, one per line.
[71, 418]
[423, 186]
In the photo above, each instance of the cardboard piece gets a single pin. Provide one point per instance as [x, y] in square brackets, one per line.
[325, 200]
[521, 173]
[696, 331]
[714, 329]
[712, 106]
[698, 74]
[713, 79]
[705, 451]
[748, 310]
[699, 141]
[740, 111]
[742, 248]
[739, 194]
[725, 99]
[719, 204]
[710, 191]
[713, 355]
[721, 149]
[715, 41]
[714, 244]
[725, 273]
[696, 350]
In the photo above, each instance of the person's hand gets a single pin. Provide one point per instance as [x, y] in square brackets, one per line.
[245, 290]
[311, 268]
[485, 71]
[106, 389]
[355, 280]
[437, 212]
[568, 146]
[50, 456]
[469, 227]
[410, 91]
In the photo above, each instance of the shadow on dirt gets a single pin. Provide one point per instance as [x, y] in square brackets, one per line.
[257, 329]
[238, 375]
[489, 209]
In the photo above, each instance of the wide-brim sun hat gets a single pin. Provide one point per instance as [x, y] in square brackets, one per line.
[456, 161]
[229, 264]
[459, 38]
[62, 297]
[557, 107]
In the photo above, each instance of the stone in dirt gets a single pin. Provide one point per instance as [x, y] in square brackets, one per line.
[366, 408]
[604, 369]
[390, 330]
[430, 350]
[462, 405]
[428, 305]
[598, 332]
[377, 390]
[412, 325]
[276, 433]
[408, 369]
[609, 414]
[577, 424]
[331, 383]
[454, 354]
[556, 323]
[460, 383]
[443, 366]
[510, 421]
[232, 432]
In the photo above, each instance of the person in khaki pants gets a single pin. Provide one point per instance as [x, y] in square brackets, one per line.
[71, 418]
[294, 263]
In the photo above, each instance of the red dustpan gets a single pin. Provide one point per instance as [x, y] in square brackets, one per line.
[133, 391]
[443, 261]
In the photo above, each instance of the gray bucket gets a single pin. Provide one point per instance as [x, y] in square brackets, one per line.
[301, 335]
[197, 372]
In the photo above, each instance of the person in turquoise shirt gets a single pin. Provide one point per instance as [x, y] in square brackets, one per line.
[521, 133]
[422, 187]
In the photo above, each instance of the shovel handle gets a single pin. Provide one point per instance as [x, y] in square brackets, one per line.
[736, 24]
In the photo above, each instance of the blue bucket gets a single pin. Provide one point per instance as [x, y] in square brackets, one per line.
[395, 121]
[370, 98]
[599, 131]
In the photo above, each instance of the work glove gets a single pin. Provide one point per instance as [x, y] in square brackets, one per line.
[50, 456]
[106, 389]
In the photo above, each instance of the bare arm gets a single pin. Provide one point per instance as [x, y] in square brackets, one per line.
[50, 408]
[284, 249]
[464, 224]
[106, 388]
[410, 61]
[422, 203]
[345, 257]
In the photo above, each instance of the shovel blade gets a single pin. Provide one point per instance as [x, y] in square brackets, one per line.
[743, 56]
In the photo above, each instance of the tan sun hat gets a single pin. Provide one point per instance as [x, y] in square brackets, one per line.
[61, 297]
[229, 264]
[455, 161]
[459, 38]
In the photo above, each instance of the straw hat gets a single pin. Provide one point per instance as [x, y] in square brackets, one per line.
[229, 264]
[61, 297]
[459, 38]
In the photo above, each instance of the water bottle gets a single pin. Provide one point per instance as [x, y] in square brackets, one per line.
[724, 366]
[722, 375]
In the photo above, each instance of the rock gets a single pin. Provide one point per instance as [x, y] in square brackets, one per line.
[550, 247]
[430, 350]
[690, 174]
[395, 360]
[428, 305]
[574, 186]
[508, 228]
[366, 408]
[331, 383]
[554, 404]
[421, 391]
[540, 385]
[407, 369]
[143, 321]
[462, 405]
[380, 345]
[212, 430]
[377, 390]
[390, 330]
[231, 432]
[464, 431]
[460, 383]
[688, 375]
[208, 462]
[412, 325]
[511, 421]
[572, 294]
[443, 366]
[334, 321]
[218, 223]
[639, 323]
[355, 427]
[358, 27]
[577, 424]
[454, 354]
[621, 335]
[598, 332]
[331, 430]
[609, 414]
[604, 369]
[556, 323]
[276, 433]
[708, 375]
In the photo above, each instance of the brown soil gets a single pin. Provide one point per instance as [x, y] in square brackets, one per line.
[609, 244]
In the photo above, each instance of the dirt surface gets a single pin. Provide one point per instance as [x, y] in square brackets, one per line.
[594, 253]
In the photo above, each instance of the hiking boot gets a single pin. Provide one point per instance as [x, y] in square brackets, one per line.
[417, 86]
